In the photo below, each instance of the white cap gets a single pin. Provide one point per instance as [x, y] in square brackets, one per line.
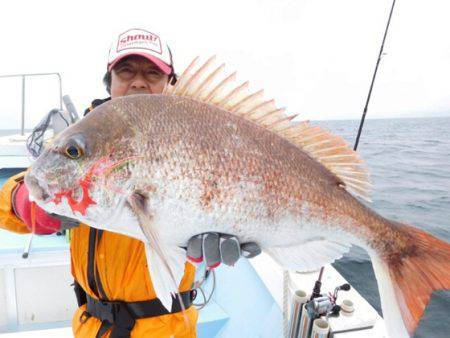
[141, 42]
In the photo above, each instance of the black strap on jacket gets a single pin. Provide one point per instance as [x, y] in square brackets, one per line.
[95, 104]
[92, 272]
[93, 277]
[121, 316]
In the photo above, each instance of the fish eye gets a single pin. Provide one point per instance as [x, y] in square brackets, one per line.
[73, 152]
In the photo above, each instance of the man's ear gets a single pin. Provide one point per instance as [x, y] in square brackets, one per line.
[107, 81]
[173, 79]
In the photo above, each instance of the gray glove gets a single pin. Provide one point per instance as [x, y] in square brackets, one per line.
[66, 222]
[218, 248]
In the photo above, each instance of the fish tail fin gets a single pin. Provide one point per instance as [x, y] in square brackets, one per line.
[411, 279]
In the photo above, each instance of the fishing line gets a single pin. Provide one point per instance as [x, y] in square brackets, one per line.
[199, 286]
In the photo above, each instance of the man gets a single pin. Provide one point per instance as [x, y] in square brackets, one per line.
[112, 284]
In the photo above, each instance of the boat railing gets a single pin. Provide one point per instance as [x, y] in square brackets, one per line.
[24, 76]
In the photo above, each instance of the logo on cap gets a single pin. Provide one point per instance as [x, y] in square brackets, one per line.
[139, 39]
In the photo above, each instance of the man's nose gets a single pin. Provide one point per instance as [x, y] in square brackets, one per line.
[139, 82]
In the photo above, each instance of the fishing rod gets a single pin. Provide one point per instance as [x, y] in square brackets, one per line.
[316, 294]
[363, 117]
[373, 78]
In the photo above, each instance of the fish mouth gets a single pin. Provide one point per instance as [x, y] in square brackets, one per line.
[38, 190]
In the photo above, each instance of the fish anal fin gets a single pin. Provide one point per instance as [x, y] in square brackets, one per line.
[205, 85]
[308, 256]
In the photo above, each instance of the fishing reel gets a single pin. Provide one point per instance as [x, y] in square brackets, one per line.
[307, 315]
[326, 305]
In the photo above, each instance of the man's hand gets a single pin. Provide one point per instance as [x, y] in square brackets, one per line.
[218, 248]
[66, 222]
[45, 223]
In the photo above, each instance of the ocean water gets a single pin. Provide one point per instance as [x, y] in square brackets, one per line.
[409, 160]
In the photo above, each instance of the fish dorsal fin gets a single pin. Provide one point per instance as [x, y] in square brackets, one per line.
[207, 83]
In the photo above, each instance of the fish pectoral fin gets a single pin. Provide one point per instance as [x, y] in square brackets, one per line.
[308, 256]
[166, 273]
[165, 263]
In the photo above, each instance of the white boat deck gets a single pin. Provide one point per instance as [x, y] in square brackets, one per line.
[49, 333]
[13, 151]
[365, 318]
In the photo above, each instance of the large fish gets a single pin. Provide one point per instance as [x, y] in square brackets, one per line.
[208, 156]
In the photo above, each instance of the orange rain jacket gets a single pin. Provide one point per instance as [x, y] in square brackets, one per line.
[122, 271]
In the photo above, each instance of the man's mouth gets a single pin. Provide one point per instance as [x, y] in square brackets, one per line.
[138, 91]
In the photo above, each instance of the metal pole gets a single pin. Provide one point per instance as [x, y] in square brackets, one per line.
[23, 76]
[71, 109]
[22, 132]
[28, 74]
[286, 297]
[373, 78]
[26, 251]
[60, 91]
[317, 285]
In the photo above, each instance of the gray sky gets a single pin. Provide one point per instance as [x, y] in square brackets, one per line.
[316, 57]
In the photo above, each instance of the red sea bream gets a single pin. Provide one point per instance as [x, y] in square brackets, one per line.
[208, 156]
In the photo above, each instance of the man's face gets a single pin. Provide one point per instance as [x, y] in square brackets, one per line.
[137, 75]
